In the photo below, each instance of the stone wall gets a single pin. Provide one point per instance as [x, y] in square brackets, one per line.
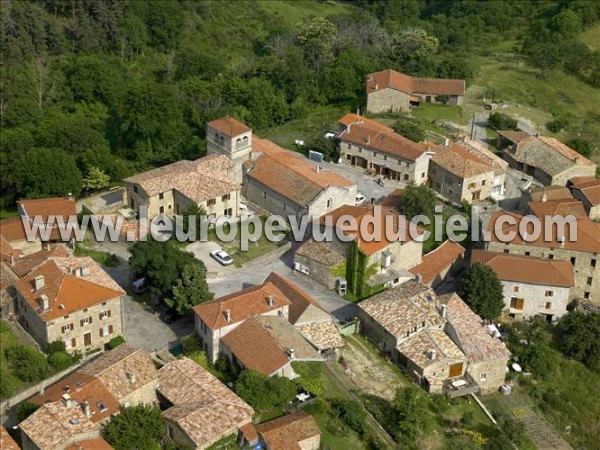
[145, 394]
[376, 334]
[387, 100]
[535, 299]
[489, 374]
[586, 266]
[457, 189]
[317, 271]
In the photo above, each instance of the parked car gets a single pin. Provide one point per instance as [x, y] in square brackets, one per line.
[222, 257]
[139, 286]
[360, 199]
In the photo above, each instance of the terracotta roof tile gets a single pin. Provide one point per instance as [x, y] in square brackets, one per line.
[589, 188]
[322, 335]
[229, 126]
[242, 305]
[474, 338]
[290, 174]
[487, 156]
[457, 160]
[401, 309]
[352, 118]
[385, 140]
[285, 433]
[54, 425]
[436, 261]
[255, 348]
[514, 136]
[393, 200]
[90, 444]
[45, 207]
[417, 347]
[12, 229]
[320, 252]
[122, 370]
[7, 252]
[588, 234]
[413, 85]
[526, 269]
[6, 441]
[73, 293]
[23, 265]
[198, 180]
[557, 208]
[81, 388]
[550, 193]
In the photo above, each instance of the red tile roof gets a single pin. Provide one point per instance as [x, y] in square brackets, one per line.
[550, 193]
[12, 229]
[588, 234]
[90, 444]
[229, 126]
[457, 160]
[369, 134]
[73, 293]
[288, 431]
[82, 388]
[526, 269]
[255, 348]
[557, 208]
[252, 301]
[589, 188]
[413, 85]
[6, 441]
[45, 207]
[351, 118]
[23, 265]
[438, 260]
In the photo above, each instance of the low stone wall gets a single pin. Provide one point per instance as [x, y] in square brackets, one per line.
[272, 255]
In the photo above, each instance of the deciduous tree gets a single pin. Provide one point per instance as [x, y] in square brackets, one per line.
[482, 291]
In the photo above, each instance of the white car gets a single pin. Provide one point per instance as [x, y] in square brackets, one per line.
[360, 199]
[222, 257]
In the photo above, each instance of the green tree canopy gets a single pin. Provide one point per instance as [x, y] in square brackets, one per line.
[264, 393]
[48, 172]
[411, 411]
[482, 291]
[417, 200]
[191, 290]
[580, 333]
[141, 426]
[28, 363]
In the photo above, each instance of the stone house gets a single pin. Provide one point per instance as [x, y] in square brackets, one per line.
[487, 355]
[72, 300]
[231, 138]
[171, 189]
[460, 175]
[546, 159]
[368, 144]
[490, 158]
[553, 208]
[55, 426]
[198, 409]
[319, 262]
[391, 91]
[587, 190]
[581, 252]
[298, 430]
[285, 183]
[542, 194]
[532, 286]
[389, 252]
[440, 264]
[216, 318]
[128, 373]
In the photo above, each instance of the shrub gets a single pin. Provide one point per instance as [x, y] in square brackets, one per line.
[60, 361]
[27, 362]
[116, 341]
[583, 147]
[191, 344]
[311, 376]
[24, 410]
[501, 121]
[352, 413]
[8, 383]
[141, 426]
[409, 129]
[317, 406]
[55, 347]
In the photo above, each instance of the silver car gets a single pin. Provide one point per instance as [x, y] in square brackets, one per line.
[222, 257]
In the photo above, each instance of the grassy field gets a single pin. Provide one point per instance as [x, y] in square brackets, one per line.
[295, 11]
[591, 37]
[106, 259]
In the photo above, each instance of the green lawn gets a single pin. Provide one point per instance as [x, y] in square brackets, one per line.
[329, 441]
[430, 113]
[295, 11]
[106, 259]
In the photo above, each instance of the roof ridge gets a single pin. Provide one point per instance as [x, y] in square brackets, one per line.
[293, 170]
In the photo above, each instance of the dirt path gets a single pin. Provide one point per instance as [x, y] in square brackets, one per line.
[369, 372]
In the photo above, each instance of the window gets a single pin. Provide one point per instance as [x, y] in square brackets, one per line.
[106, 330]
[516, 303]
[211, 202]
[85, 310]
[67, 327]
[483, 182]
[229, 212]
[86, 321]
[135, 189]
[374, 154]
[238, 143]
[360, 149]
[483, 377]
[245, 141]
[506, 250]
[573, 260]
[284, 206]
[589, 281]
[329, 203]
[471, 185]
[548, 305]
[264, 194]
[527, 253]
[161, 196]
[593, 263]
[348, 156]
[161, 209]
[226, 197]
[70, 343]
[101, 407]
[104, 314]
[550, 256]
[586, 295]
[422, 174]
[406, 177]
[516, 289]
[549, 294]
[348, 146]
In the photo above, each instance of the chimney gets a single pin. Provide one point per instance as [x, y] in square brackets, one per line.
[544, 197]
[447, 142]
[292, 353]
[39, 282]
[85, 407]
[131, 377]
[66, 400]
[431, 354]
[376, 87]
[85, 271]
[44, 302]
[418, 278]
[368, 139]
[318, 168]
[227, 315]
[270, 300]
[561, 239]
[537, 135]
[12, 259]
[444, 311]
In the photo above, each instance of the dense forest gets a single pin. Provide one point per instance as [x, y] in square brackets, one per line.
[94, 90]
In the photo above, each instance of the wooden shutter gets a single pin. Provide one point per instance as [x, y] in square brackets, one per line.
[90, 319]
[101, 335]
[520, 303]
[81, 322]
[100, 316]
[456, 370]
[109, 313]
[74, 342]
[110, 329]
[63, 328]
[72, 326]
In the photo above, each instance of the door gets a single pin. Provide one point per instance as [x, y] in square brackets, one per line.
[87, 339]
[456, 370]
